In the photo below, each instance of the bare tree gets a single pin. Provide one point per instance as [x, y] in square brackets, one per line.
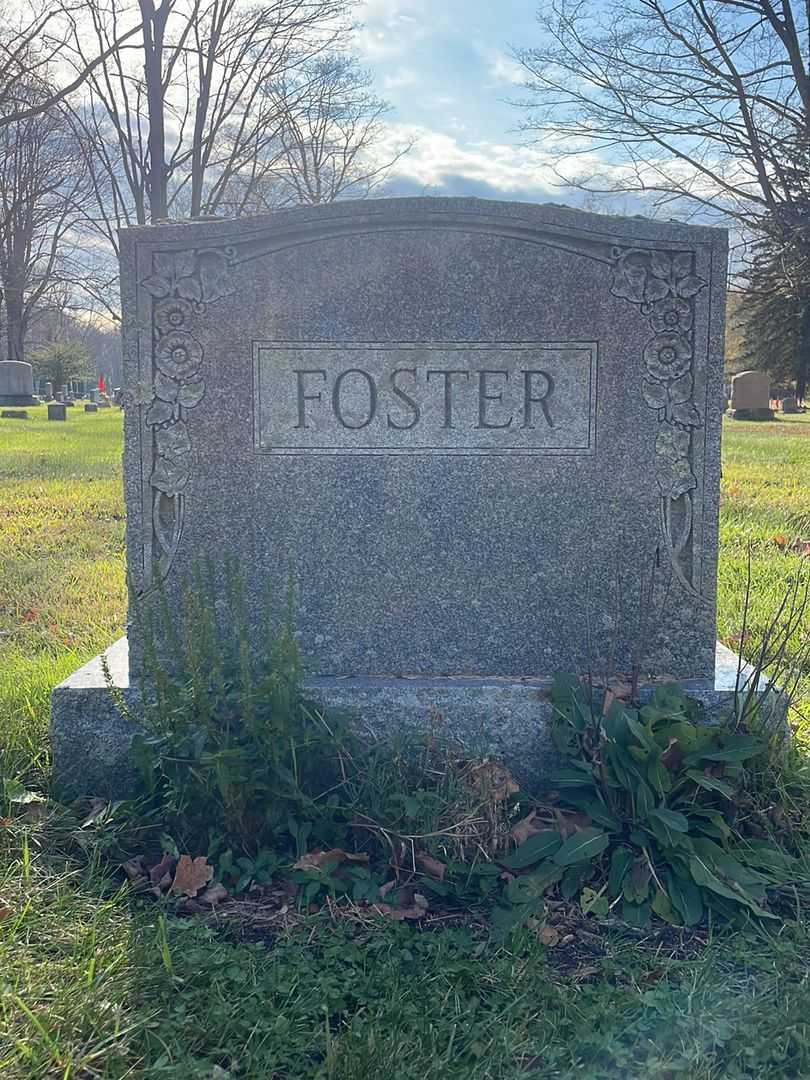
[33, 37]
[691, 102]
[196, 114]
[330, 119]
[43, 193]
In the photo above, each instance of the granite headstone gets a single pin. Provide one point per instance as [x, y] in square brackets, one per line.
[482, 438]
[16, 383]
[750, 396]
[57, 410]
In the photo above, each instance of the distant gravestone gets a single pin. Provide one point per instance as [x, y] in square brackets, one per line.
[48, 391]
[481, 437]
[57, 411]
[91, 407]
[13, 414]
[16, 383]
[789, 405]
[750, 396]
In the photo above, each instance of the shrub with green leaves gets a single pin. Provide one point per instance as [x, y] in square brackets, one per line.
[231, 752]
[661, 793]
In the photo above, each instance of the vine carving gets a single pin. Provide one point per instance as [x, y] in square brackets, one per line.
[664, 285]
[181, 285]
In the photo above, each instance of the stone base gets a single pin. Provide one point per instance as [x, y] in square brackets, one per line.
[17, 399]
[508, 718]
[751, 414]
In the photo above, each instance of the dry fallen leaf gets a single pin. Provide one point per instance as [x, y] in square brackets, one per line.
[4, 912]
[570, 823]
[431, 866]
[134, 868]
[549, 936]
[214, 894]
[672, 756]
[385, 889]
[161, 870]
[780, 541]
[801, 547]
[587, 971]
[317, 860]
[416, 910]
[191, 875]
[525, 828]
[491, 780]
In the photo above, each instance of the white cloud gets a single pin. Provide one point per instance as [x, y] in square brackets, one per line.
[402, 76]
[501, 69]
[391, 28]
[436, 155]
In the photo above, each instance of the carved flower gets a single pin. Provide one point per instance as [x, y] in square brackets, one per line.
[169, 476]
[671, 442]
[172, 315]
[668, 356]
[179, 355]
[670, 315]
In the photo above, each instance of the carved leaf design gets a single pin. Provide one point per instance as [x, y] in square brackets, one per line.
[675, 478]
[686, 414]
[173, 440]
[660, 264]
[157, 286]
[159, 412]
[682, 264]
[191, 394]
[655, 289]
[655, 394]
[189, 288]
[689, 286]
[166, 387]
[681, 389]
[214, 277]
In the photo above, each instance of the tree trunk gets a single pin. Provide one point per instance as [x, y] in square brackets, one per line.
[803, 352]
[154, 26]
[15, 322]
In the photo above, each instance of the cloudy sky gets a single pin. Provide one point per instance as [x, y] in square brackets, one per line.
[445, 66]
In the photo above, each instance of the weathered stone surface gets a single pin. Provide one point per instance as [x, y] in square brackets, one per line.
[13, 414]
[16, 383]
[57, 410]
[789, 405]
[475, 433]
[508, 718]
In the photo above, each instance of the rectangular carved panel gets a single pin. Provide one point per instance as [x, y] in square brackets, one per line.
[466, 398]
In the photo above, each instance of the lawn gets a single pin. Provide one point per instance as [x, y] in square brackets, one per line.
[93, 985]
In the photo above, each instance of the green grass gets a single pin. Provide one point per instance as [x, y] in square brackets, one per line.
[92, 985]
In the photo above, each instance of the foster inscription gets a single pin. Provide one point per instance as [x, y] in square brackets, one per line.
[412, 398]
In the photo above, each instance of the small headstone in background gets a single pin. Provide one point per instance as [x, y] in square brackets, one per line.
[48, 391]
[16, 383]
[91, 407]
[750, 396]
[92, 394]
[57, 410]
[789, 405]
[13, 414]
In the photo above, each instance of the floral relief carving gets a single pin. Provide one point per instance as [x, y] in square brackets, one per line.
[664, 284]
[181, 284]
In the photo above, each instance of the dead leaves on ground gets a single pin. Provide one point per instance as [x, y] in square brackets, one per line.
[800, 546]
[185, 879]
[327, 860]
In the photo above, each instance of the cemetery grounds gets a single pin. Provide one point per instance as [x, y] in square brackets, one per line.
[94, 985]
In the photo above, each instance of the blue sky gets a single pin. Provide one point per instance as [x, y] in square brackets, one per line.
[445, 66]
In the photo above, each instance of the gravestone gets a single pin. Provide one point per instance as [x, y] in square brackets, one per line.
[750, 396]
[57, 410]
[91, 407]
[789, 405]
[16, 383]
[482, 438]
[48, 391]
[13, 414]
